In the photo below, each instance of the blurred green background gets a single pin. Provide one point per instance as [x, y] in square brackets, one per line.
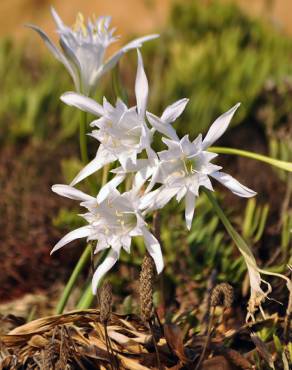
[212, 52]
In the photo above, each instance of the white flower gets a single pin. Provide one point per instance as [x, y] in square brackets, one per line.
[121, 131]
[146, 168]
[185, 166]
[112, 222]
[84, 47]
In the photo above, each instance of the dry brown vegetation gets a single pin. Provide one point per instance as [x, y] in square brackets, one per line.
[100, 339]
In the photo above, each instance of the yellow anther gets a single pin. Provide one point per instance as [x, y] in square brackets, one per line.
[80, 24]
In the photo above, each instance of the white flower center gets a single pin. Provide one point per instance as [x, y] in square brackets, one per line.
[114, 221]
[126, 221]
[189, 166]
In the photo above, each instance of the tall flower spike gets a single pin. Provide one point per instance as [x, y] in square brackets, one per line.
[112, 222]
[186, 165]
[121, 131]
[83, 49]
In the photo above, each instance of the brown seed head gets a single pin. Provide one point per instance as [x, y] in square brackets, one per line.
[105, 302]
[146, 288]
[222, 295]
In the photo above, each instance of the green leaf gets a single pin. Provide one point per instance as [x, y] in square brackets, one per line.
[278, 344]
[238, 240]
[241, 244]
[287, 166]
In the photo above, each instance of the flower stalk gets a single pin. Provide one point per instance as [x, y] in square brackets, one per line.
[283, 165]
[85, 256]
[87, 297]
[83, 138]
[83, 260]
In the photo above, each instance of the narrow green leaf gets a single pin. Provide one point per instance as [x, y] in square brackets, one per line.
[262, 223]
[248, 218]
[278, 344]
[238, 240]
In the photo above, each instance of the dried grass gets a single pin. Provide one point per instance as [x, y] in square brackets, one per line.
[78, 340]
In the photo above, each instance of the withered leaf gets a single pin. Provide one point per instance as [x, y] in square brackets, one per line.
[174, 337]
[217, 363]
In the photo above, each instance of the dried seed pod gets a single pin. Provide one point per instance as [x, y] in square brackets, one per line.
[105, 302]
[48, 355]
[222, 295]
[64, 351]
[146, 288]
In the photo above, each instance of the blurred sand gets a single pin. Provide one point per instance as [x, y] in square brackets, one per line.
[129, 16]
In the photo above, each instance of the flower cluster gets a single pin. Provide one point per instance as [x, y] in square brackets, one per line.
[83, 49]
[125, 137]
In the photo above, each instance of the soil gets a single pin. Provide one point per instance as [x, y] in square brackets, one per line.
[27, 207]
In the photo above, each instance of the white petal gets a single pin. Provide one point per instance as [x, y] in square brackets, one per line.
[190, 200]
[154, 249]
[162, 127]
[141, 87]
[181, 193]
[158, 198]
[173, 111]
[102, 158]
[153, 180]
[108, 188]
[172, 144]
[82, 102]
[103, 268]
[57, 19]
[125, 160]
[232, 184]
[71, 193]
[148, 200]
[137, 43]
[141, 176]
[57, 54]
[218, 128]
[112, 61]
[204, 181]
[126, 243]
[198, 142]
[81, 232]
[188, 148]
[70, 54]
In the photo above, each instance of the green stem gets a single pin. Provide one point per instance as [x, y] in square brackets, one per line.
[87, 251]
[105, 172]
[73, 278]
[87, 297]
[287, 166]
[83, 138]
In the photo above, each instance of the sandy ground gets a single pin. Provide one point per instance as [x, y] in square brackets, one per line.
[129, 16]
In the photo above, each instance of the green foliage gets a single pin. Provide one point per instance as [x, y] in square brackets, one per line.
[254, 221]
[216, 55]
[68, 219]
[30, 106]
[30, 100]
[213, 54]
[205, 248]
